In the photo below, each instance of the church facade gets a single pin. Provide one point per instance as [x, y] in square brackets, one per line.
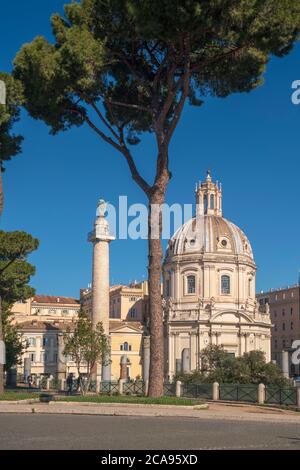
[209, 288]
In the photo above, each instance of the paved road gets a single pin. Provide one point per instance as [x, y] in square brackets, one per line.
[117, 432]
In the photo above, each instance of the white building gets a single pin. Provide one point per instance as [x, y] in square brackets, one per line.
[209, 286]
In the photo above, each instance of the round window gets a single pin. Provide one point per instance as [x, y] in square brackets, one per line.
[224, 243]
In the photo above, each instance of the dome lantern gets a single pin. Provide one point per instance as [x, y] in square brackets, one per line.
[209, 197]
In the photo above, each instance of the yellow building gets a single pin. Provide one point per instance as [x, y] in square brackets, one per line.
[43, 319]
[127, 316]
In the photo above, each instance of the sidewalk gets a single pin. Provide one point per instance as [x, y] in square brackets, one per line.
[215, 411]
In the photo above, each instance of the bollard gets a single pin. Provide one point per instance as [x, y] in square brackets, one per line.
[38, 382]
[298, 397]
[63, 384]
[146, 387]
[178, 388]
[121, 386]
[48, 384]
[261, 394]
[216, 391]
[98, 386]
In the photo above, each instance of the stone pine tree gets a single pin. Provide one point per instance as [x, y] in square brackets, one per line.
[15, 274]
[10, 145]
[128, 67]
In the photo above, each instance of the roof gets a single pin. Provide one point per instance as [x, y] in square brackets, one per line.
[54, 299]
[45, 326]
[209, 234]
[116, 325]
[35, 325]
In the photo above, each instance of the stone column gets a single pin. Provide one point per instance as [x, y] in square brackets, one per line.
[100, 237]
[146, 358]
[285, 364]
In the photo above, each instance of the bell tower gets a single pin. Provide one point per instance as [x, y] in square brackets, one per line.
[209, 197]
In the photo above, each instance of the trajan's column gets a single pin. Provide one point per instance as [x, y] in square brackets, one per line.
[100, 237]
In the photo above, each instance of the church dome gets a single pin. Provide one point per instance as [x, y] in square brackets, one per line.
[209, 232]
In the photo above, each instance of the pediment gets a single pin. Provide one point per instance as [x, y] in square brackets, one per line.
[228, 317]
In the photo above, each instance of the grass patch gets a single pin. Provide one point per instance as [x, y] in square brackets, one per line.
[14, 396]
[131, 399]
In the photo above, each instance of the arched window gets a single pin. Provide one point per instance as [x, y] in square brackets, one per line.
[205, 203]
[191, 284]
[212, 201]
[249, 287]
[225, 284]
[125, 346]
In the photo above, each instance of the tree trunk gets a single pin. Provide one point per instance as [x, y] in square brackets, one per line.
[156, 373]
[1, 339]
[1, 193]
[1, 327]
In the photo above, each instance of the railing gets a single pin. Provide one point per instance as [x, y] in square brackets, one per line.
[169, 389]
[109, 387]
[281, 396]
[134, 388]
[238, 392]
[197, 391]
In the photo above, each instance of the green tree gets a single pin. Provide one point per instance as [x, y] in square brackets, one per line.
[128, 67]
[219, 366]
[87, 346]
[10, 144]
[15, 274]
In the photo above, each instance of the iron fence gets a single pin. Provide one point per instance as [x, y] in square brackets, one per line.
[281, 396]
[190, 390]
[169, 389]
[109, 387]
[134, 388]
[238, 392]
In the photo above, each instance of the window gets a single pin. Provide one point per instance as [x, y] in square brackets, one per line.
[42, 357]
[32, 357]
[132, 313]
[125, 346]
[65, 311]
[291, 310]
[191, 284]
[292, 325]
[249, 287]
[168, 287]
[283, 343]
[283, 326]
[283, 312]
[225, 284]
[46, 342]
[276, 343]
[275, 328]
[205, 203]
[212, 201]
[275, 313]
[31, 342]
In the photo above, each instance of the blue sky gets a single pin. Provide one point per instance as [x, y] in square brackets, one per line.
[249, 141]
